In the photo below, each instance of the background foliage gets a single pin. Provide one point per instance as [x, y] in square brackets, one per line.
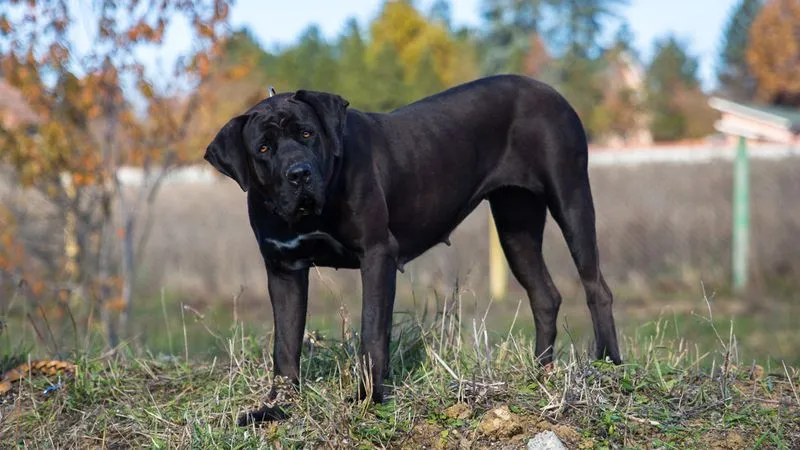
[72, 237]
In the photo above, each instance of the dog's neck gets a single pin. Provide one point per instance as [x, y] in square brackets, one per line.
[332, 184]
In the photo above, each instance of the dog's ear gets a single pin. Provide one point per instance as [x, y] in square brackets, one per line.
[227, 153]
[331, 110]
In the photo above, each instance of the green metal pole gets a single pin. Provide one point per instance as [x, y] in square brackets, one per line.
[741, 216]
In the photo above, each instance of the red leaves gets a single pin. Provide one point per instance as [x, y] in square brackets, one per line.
[91, 119]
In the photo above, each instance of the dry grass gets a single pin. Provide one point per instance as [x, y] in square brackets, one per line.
[666, 223]
[662, 229]
[449, 375]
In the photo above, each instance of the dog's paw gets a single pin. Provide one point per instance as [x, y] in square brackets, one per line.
[263, 414]
[356, 398]
[377, 397]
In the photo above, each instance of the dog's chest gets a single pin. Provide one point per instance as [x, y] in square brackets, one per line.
[315, 248]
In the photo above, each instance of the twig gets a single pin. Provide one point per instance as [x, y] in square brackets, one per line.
[644, 421]
[74, 324]
[698, 409]
[771, 402]
[201, 318]
[35, 328]
[185, 340]
[444, 364]
[791, 382]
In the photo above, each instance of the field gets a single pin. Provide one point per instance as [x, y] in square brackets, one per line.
[664, 232]
[704, 367]
[458, 385]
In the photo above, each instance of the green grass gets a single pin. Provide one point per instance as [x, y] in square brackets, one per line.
[670, 393]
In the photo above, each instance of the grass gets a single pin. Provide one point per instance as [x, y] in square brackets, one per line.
[450, 376]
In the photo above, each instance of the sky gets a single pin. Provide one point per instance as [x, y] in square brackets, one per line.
[697, 22]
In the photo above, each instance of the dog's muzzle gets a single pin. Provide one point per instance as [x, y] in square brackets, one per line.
[306, 205]
[301, 179]
[299, 174]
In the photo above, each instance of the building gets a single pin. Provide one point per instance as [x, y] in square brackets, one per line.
[14, 109]
[624, 72]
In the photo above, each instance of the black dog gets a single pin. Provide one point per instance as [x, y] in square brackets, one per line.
[336, 187]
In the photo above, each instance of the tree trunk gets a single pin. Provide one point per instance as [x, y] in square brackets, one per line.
[71, 246]
[128, 269]
[104, 276]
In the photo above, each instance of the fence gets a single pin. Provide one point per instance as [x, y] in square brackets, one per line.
[663, 219]
[662, 216]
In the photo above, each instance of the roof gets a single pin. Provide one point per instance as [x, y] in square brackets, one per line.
[793, 115]
[13, 103]
[784, 117]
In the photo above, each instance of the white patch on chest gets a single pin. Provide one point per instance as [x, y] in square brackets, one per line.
[295, 242]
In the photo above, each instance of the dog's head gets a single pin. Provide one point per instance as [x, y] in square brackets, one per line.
[286, 147]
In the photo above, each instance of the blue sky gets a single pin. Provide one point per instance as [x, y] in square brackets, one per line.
[698, 22]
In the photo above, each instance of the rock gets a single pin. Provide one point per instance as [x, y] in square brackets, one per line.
[566, 433]
[500, 423]
[735, 440]
[458, 411]
[546, 440]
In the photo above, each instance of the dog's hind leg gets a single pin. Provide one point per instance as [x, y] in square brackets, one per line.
[570, 202]
[520, 215]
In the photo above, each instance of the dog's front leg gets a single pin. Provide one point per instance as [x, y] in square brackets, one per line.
[378, 280]
[288, 291]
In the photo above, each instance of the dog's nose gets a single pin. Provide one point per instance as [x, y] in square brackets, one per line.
[299, 174]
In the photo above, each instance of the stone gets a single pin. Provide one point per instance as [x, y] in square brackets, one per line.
[458, 411]
[500, 423]
[546, 440]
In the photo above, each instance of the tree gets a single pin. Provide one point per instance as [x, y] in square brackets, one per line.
[91, 104]
[318, 65]
[580, 81]
[441, 13]
[426, 81]
[734, 75]
[675, 99]
[623, 41]
[581, 25]
[406, 30]
[424, 50]
[509, 25]
[774, 52]
[389, 89]
[355, 76]
[517, 38]
[620, 112]
[242, 52]
[617, 115]
[672, 66]
[537, 59]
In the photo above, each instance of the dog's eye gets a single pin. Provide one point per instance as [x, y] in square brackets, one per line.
[306, 134]
[264, 149]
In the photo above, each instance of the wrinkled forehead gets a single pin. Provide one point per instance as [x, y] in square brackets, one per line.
[279, 112]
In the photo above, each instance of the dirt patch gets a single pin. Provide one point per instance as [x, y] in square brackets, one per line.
[568, 435]
[730, 440]
[501, 426]
[431, 435]
[459, 411]
[500, 423]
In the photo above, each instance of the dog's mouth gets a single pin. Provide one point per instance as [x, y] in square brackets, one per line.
[306, 206]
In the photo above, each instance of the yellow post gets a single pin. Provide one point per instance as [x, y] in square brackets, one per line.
[70, 231]
[498, 273]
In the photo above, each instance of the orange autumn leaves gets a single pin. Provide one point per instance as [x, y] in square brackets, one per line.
[95, 112]
[774, 50]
